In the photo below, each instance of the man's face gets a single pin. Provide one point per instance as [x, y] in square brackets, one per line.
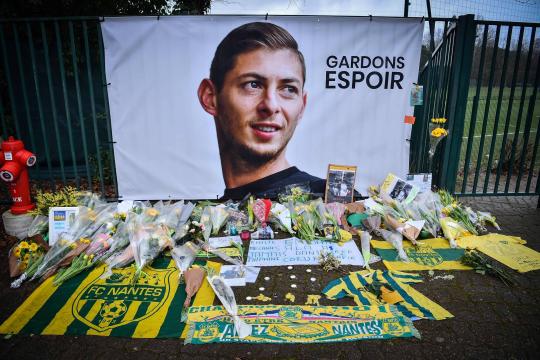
[260, 104]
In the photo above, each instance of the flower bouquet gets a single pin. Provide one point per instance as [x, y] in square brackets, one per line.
[280, 215]
[395, 239]
[25, 256]
[436, 133]
[305, 219]
[226, 295]
[452, 230]
[218, 216]
[147, 242]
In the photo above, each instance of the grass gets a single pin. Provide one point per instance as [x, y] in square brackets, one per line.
[493, 136]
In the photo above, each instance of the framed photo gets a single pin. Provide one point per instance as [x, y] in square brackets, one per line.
[340, 183]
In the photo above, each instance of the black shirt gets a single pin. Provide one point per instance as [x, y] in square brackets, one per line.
[270, 186]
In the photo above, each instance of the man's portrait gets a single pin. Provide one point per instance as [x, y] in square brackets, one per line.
[255, 93]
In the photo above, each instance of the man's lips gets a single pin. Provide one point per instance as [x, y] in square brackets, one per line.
[264, 130]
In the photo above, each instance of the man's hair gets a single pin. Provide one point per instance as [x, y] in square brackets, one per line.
[246, 38]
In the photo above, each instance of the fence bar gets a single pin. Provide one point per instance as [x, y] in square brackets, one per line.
[533, 160]
[521, 106]
[79, 102]
[3, 120]
[474, 111]
[509, 110]
[107, 111]
[66, 100]
[457, 103]
[527, 130]
[447, 74]
[38, 101]
[25, 93]
[486, 109]
[498, 109]
[7, 72]
[93, 105]
[53, 100]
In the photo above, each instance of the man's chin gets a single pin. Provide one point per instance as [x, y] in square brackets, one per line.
[258, 157]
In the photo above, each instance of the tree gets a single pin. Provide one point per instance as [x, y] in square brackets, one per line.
[31, 8]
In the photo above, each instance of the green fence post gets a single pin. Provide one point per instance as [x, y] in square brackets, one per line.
[457, 102]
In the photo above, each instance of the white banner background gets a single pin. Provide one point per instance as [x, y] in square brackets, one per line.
[166, 144]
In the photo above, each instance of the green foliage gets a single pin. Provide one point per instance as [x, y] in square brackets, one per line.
[28, 8]
[67, 196]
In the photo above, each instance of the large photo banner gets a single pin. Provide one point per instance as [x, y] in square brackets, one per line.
[349, 109]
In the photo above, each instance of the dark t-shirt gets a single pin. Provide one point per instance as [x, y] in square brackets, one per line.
[272, 185]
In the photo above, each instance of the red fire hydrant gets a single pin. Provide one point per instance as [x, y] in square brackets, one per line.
[14, 160]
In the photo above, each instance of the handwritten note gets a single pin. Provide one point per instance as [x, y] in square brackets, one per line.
[293, 251]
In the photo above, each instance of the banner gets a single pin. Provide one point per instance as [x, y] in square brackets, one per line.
[299, 324]
[93, 304]
[358, 77]
[431, 254]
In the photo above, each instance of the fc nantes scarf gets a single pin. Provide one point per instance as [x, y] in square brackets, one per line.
[299, 324]
[363, 287]
[110, 306]
[431, 254]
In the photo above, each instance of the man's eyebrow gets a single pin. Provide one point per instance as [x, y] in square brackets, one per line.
[258, 76]
[252, 75]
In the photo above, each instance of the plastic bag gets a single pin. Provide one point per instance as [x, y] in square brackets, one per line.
[365, 239]
[218, 216]
[184, 255]
[300, 192]
[281, 216]
[395, 239]
[452, 230]
[38, 226]
[226, 296]
[147, 242]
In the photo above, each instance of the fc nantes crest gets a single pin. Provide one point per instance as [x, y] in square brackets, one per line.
[424, 255]
[112, 301]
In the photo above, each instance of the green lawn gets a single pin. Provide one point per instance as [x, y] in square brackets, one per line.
[493, 136]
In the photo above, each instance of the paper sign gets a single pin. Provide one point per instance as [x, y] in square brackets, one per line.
[422, 181]
[293, 251]
[417, 95]
[224, 241]
[409, 119]
[252, 273]
[60, 221]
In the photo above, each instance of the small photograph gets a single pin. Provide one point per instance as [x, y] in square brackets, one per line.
[340, 183]
[399, 189]
[233, 275]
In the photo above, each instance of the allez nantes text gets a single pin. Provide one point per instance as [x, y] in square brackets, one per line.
[346, 77]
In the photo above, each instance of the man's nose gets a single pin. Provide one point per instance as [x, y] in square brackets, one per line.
[269, 104]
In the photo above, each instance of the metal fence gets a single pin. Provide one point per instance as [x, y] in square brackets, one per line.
[483, 77]
[53, 96]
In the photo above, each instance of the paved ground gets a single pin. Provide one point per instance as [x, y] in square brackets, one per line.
[491, 320]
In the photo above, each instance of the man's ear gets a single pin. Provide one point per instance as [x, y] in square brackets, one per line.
[207, 96]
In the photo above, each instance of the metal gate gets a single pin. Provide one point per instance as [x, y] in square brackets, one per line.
[483, 77]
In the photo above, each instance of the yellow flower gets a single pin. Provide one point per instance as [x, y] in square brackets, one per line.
[26, 258]
[33, 247]
[438, 132]
[152, 212]
[73, 246]
[17, 252]
[23, 245]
